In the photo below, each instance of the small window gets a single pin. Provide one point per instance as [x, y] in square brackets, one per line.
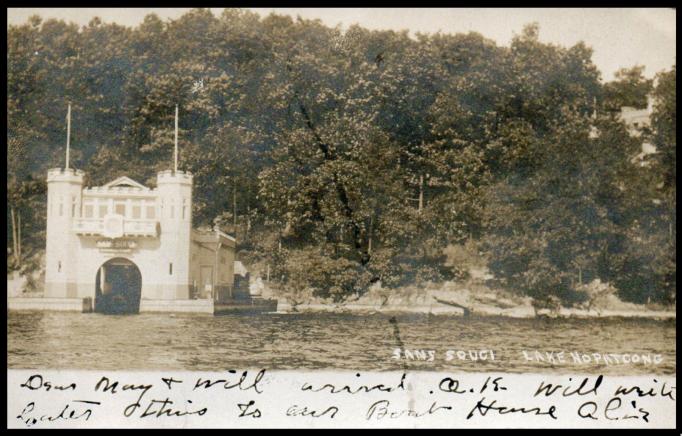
[89, 210]
[74, 203]
[170, 268]
[172, 211]
[61, 206]
[137, 212]
[59, 266]
[103, 209]
[184, 208]
[120, 209]
[151, 212]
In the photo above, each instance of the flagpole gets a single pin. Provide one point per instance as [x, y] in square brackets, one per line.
[176, 138]
[68, 135]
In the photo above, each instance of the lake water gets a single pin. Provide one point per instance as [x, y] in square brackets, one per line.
[331, 341]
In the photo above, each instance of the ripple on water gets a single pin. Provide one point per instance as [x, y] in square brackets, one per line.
[322, 341]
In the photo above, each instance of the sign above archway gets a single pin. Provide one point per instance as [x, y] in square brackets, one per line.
[113, 226]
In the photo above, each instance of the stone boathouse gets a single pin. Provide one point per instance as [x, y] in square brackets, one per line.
[127, 248]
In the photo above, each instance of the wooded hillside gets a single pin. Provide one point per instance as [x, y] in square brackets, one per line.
[342, 158]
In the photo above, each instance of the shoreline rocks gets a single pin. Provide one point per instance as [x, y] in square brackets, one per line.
[525, 312]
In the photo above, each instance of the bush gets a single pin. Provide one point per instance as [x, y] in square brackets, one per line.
[596, 294]
[309, 271]
[404, 267]
[646, 272]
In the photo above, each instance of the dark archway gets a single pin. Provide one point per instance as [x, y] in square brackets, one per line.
[118, 287]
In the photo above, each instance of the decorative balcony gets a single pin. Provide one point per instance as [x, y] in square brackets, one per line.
[116, 226]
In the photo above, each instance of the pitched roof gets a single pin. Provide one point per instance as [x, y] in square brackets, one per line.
[125, 181]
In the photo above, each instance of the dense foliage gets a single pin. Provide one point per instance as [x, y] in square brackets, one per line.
[343, 158]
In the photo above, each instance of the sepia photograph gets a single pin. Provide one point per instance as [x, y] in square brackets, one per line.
[354, 217]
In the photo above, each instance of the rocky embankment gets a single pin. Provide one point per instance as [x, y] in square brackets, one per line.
[457, 300]
[472, 298]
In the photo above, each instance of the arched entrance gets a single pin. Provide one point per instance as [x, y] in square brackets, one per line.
[118, 287]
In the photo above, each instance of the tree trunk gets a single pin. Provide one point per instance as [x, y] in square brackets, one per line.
[248, 220]
[467, 310]
[14, 234]
[369, 237]
[19, 235]
[421, 193]
[234, 204]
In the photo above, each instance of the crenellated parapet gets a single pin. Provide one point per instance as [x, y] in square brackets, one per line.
[65, 175]
[119, 191]
[177, 177]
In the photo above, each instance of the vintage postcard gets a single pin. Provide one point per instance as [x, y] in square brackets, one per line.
[341, 218]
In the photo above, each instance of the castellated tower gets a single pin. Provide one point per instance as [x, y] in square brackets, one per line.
[64, 194]
[126, 248]
[174, 190]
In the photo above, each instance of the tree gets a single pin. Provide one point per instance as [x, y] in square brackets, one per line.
[648, 272]
[561, 226]
[630, 88]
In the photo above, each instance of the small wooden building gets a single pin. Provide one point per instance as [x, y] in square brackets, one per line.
[212, 264]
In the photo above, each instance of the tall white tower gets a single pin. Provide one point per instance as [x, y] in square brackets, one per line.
[174, 194]
[174, 191]
[64, 193]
